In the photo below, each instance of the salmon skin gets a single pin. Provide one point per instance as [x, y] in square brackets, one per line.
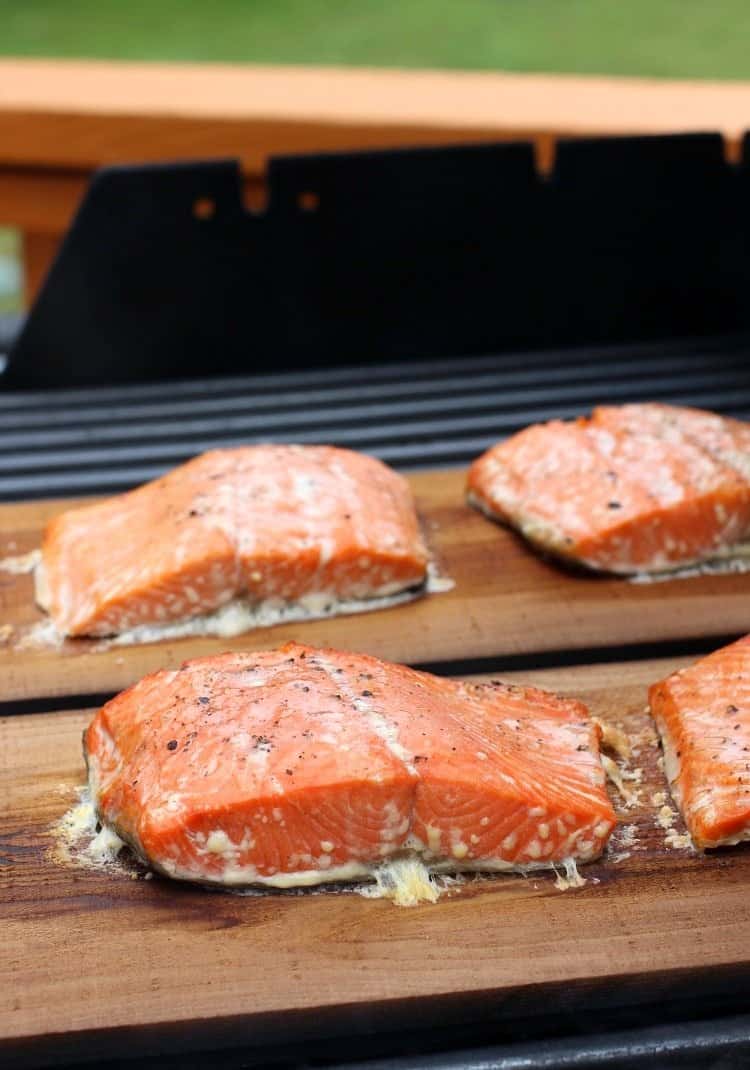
[267, 522]
[299, 766]
[703, 716]
[630, 489]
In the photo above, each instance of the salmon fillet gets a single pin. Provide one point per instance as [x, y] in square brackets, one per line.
[634, 488]
[703, 716]
[268, 522]
[298, 766]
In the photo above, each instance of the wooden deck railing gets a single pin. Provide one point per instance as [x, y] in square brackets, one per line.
[59, 120]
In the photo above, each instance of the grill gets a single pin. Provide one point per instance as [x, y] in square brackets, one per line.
[415, 304]
[415, 414]
[411, 395]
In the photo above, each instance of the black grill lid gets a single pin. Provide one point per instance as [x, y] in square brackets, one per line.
[390, 256]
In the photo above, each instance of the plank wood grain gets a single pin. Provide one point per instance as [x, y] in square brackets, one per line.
[506, 601]
[91, 960]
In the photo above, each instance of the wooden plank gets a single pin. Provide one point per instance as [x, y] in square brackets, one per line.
[506, 601]
[98, 957]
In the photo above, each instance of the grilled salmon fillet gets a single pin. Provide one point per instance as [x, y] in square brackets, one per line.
[703, 716]
[266, 522]
[634, 488]
[298, 766]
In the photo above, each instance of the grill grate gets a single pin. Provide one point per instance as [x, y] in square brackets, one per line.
[414, 414]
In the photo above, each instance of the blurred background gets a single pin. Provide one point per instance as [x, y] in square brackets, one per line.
[669, 39]
[673, 39]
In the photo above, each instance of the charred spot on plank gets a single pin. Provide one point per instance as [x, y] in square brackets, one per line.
[204, 700]
[172, 745]
[614, 504]
[367, 694]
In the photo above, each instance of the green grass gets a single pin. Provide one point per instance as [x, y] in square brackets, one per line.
[663, 38]
[10, 295]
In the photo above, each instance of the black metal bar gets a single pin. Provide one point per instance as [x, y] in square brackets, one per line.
[723, 1044]
[428, 413]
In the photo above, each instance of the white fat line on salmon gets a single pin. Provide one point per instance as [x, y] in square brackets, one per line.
[381, 726]
[727, 560]
[234, 618]
[22, 564]
[239, 616]
[732, 559]
[669, 762]
[540, 533]
[80, 839]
